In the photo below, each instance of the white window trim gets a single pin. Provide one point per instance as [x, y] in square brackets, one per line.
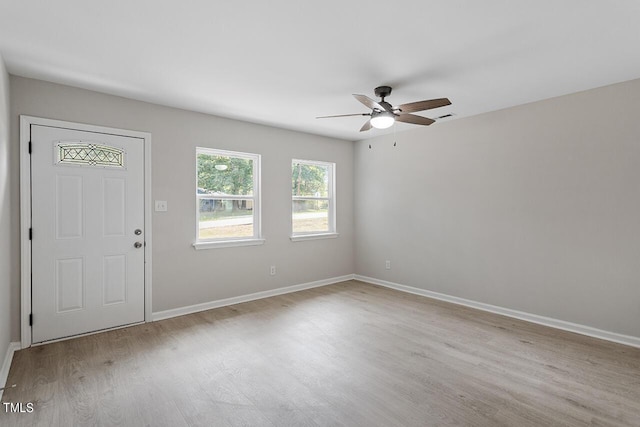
[317, 236]
[254, 240]
[227, 243]
[331, 198]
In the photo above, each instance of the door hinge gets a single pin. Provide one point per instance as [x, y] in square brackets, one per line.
[30, 319]
[29, 147]
[31, 234]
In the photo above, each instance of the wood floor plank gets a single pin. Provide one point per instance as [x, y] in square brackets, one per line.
[350, 354]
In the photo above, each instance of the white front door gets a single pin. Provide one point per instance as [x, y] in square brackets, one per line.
[87, 221]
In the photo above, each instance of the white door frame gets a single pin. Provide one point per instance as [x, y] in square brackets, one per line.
[25, 212]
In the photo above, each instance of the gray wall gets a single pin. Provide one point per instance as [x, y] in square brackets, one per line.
[181, 275]
[7, 251]
[534, 208]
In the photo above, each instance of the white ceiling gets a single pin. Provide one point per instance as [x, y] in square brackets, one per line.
[283, 63]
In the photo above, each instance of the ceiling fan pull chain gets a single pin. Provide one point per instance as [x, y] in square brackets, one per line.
[395, 127]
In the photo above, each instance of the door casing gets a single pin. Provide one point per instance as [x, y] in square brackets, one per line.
[25, 213]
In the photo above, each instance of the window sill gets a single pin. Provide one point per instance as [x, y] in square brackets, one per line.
[303, 237]
[227, 244]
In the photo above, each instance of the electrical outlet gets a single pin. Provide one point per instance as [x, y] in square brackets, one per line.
[387, 265]
[161, 205]
[272, 270]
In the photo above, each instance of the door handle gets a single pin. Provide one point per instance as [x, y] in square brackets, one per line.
[137, 245]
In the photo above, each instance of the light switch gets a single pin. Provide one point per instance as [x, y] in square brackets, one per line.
[161, 205]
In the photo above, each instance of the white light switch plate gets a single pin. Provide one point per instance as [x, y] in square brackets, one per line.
[161, 205]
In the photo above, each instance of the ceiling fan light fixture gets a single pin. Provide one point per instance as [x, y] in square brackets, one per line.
[383, 120]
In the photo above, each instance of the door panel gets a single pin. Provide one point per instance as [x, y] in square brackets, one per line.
[114, 281]
[69, 284]
[69, 203]
[87, 201]
[114, 196]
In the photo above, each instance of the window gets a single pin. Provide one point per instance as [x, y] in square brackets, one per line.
[228, 198]
[89, 154]
[313, 200]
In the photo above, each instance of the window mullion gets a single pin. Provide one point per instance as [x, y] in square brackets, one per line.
[310, 198]
[223, 197]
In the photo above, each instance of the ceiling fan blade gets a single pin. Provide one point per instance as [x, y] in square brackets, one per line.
[366, 126]
[368, 102]
[413, 119]
[344, 115]
[412, 107]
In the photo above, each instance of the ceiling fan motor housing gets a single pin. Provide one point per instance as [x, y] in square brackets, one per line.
[382, 91]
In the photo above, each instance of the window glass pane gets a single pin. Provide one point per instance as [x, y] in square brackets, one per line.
[310, 180]
[310, 216]
[89, 154]
[224, 175]
[221, 219]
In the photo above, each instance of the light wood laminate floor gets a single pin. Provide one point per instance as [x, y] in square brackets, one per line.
[349, 354]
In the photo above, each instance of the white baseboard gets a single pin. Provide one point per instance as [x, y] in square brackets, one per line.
[160, 315]
[533, 318]
[6, 364]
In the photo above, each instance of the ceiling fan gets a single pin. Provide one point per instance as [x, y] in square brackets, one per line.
[383, 114]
